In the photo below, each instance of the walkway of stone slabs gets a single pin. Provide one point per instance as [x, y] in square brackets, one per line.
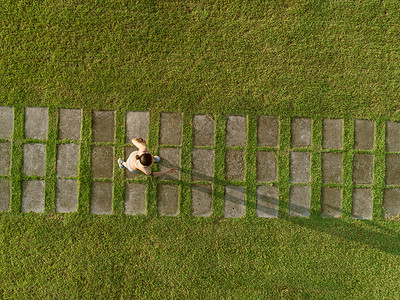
[57, 133]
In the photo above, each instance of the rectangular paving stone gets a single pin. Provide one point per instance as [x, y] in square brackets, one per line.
[235, 205]
[135, 199]
[103, 126]
[6, 121]
[70, 123]
[301, 132]
[300, 167]
[5, 158]
[299, 201]
[168, 200]
[235, 165]
[202, 164]
[266, 166]
[391, 203]
[267, 201]
[33, 196]
[393, 169]
[203, 130]
[362, 204]
[170, 158]
[268, 131]
[201, 200]
[171, 129]
[331, 204]
[66, 195]
[332, 167]
[67, 160]
[392, 136]
[101, 198]
[102, 161]
[236, 131]
[332, 133]
[34, 159]
[363, 134]
[137, 125]
[36, 123]
[4, 195]
[363, 168]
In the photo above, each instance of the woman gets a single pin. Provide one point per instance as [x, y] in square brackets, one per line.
[141, 160]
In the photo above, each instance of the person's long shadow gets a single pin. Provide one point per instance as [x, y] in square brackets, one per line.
[383, 235]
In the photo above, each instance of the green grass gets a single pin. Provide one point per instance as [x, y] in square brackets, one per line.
[311, 59]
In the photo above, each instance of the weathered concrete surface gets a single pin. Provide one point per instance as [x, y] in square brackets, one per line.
[34, 159]
[235, 205]
[137, 125]
[363, 168]
[103, 126]
[4, 195]
[101, 198]
[135, 199]
[393, 136]
[33, 196]
[268, 131]
[171, 129]
[332, 133]
[201, 200]
[170, 158]
[331, 205]
[102, 161]
[393, 169]
[168, 200]
[236, 131]
[70, 124]
[5, 158]
[362, 204]
[299, 204]
[202, 164]
[235, 165]
[67, 160]
[266, 166]
[363, 134]
[6, 121]
[36, 122]
[66, 195]
[300, 167]
[332, 167]
[203, 130]
[301, 132]
[267, 201]
[391, 203]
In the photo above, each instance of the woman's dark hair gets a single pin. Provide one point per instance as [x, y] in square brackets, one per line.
[145, 159]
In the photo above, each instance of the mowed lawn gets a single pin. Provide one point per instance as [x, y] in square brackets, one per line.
[316, 59]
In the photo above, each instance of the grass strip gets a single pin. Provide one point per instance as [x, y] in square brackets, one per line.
[284, 167]
[219, 167]
[379, 169]
[316, 168]
[118, 178]
[347, 165]
[251, 166]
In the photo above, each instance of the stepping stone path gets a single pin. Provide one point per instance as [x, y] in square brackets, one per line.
[28, 146]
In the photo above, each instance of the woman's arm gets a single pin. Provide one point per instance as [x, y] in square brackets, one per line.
[140, 144]
[157, 174]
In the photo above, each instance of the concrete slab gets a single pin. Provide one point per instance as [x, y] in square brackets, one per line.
[6, 122]
[236, 131]
[4, 195]
[266, 166]
[102, 161]
[363, 168]
[331, 205]
[168, 200]
[362, 204]
[101, 198]
[103, 126]
[33, 196]
[135, 199]
[267, 201]
[128, 174]
[300, 167]
[268, 131]
[332, 167]
[137, 125]
[391, 203]
[301, 132]
[171, 129]
[66, 195]
[70, 124]
[34, 159]
[299, 201]
[202, 164]
[393, 169]
[5, 158]
[203, 130]
[201, 200]
[36, 122]
[170, 158]
[363, 134]
[67, 160]
[235, 205]
[393, 136]
[235, 165]
[332, 133]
